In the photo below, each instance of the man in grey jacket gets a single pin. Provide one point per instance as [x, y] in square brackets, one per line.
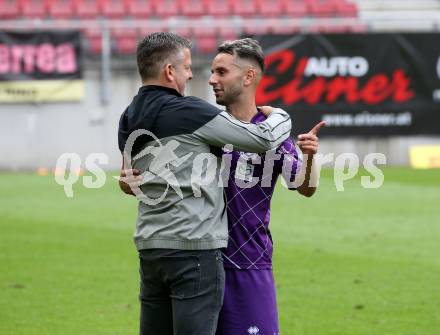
[175, 142]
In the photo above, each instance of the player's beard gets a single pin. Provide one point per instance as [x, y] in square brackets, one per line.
[229, 95]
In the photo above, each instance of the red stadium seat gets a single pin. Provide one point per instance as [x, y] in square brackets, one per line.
[166, 8]
[86, 8]
[270, 7]
[295, 8]
[322, 7]
[126, 45]
[207, 44]
[140, 8]
[346, 8]
[114, 9]
[94, 40]
[9, 9]
[218, 8]
[244, 7]
[34, 8]
[192, 7]
[61, 9]
[125, 40]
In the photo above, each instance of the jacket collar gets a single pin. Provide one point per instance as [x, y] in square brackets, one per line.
[147, 88]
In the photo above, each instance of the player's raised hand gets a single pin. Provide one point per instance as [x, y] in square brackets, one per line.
[308, 143]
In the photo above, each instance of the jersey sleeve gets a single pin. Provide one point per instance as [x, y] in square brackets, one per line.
[249, 137]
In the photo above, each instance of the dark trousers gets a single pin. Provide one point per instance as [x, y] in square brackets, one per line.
[181, 291]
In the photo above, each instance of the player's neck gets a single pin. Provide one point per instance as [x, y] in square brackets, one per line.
[243, 109]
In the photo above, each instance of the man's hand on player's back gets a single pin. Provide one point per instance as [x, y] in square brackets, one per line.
[128, 179]
[266, 110]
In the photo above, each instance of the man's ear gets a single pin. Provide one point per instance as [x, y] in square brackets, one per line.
[169, 72]
[250, 77]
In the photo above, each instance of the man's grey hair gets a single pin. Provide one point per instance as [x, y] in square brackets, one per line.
[156, 49]
[245, 48]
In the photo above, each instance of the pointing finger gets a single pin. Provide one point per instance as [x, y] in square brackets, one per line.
[317, 128]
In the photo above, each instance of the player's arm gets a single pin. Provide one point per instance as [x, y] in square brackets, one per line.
[311, 177]
[309, 171]
[267, 135]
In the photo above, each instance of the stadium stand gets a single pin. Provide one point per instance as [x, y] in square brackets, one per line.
[61, 9]
[143, 31]
[9, 9]
[345, 8]
[120, 9]
[125, 40]
[86, 9]
[94, 40]
[295, 8]
[218, 8]
[140, 8]
[183, 30]
[192, 7]
[417, 14]
[270, 8]
[227, 32]
[207, 21]
[114, 9]
[167, 8]
[33, 8]
[203, 28]
[124, 9]
[256, 26]
[292, 28]
[244, 8]
[206, 44]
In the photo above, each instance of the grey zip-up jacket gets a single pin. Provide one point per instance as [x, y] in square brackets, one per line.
[178, 146]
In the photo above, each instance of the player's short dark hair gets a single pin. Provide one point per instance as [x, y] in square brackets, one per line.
[156, 49]
[246, 48]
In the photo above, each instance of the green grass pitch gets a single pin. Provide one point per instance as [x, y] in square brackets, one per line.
[358, 262]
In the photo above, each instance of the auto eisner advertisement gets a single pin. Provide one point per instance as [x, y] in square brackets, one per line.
[360, 84]
[40, 66]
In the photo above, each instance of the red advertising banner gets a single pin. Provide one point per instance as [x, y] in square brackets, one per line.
[361, 84]
[40, 67]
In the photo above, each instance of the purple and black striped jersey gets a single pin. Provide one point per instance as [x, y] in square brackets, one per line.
[248, 208]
